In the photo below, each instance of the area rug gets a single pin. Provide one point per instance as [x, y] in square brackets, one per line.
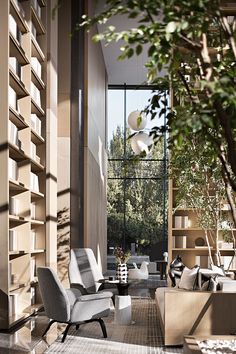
[142, 337]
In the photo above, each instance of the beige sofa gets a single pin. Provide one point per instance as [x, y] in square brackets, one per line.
[184, 312]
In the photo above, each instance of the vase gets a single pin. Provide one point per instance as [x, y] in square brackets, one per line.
[122, 272]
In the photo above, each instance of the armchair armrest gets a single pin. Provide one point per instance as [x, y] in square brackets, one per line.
[97, 296]
[80, 287]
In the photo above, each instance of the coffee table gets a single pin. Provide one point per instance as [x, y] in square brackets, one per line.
[191, 345]
[123, 310]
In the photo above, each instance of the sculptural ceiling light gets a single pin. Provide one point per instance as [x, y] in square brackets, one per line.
[140, 142]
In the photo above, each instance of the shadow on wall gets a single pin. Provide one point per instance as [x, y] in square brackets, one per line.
[63, 244]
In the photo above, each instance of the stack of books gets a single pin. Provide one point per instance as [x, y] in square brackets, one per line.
[181, 222]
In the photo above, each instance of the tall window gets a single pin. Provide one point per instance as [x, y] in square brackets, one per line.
[137, 198]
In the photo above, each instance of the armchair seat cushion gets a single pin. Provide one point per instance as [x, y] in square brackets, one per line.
[97, 296]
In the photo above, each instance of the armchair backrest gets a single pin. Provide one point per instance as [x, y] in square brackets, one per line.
[55, 299]
[83, 268]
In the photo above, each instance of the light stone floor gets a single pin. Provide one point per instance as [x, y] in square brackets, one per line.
[27, 339]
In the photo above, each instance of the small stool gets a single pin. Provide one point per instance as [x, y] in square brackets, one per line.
[123, 309]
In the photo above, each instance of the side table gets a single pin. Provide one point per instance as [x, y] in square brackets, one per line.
[162, 265]
[123, 309]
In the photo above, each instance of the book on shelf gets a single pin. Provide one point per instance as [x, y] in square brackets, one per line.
[32, 240]
[34, 182]
[179, 241]
[36, 123]
[14, 206]
[32, 210]
[178, 222]
[12, 169]
[181, 222]
[12, 240]
[13, 134]
[12, 98]
[185, 222]
[35, 93]
[33, 150]
[15, 66]
[12, 26]
[36, 65]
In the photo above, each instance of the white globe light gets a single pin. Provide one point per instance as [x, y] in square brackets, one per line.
[140, 142]
[133, 120]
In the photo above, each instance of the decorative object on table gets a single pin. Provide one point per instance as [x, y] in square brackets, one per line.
[121, 259]
[137, 273]
[165, 256]
[200, 242]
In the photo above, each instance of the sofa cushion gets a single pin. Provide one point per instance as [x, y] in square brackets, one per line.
[227, 284]
[188, 278]
[160, 299]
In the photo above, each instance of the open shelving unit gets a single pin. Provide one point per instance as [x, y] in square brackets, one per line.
[23, 41]
[184, 235]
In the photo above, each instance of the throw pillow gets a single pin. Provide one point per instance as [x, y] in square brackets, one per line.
[188, 278]
[218, 270]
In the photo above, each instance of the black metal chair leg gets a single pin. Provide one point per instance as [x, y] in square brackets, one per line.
[66, 332]
[77, 327]
[103, 327]
[49, 325]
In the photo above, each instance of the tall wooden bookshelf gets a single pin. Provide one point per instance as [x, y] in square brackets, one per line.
[23, 85]
[187, 239]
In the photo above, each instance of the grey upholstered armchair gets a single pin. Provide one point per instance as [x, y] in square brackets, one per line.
[84, 273]
[69, 306]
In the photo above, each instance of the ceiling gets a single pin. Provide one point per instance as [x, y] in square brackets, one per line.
[129, 71]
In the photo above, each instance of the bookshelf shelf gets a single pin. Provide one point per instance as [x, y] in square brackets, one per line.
[16, 153]
[36, 50]
[37, 222]
[18, 17]
[17, 119]
[36, 139]
[36, 80]
[37, 251]
[17, 85]
[36, 167]
[36, 109]
[16, 186]
[17, 286]
[37, 22]
[23, 240]
[17, 51]
[36, 195]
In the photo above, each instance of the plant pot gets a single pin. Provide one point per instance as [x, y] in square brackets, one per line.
[122, 272]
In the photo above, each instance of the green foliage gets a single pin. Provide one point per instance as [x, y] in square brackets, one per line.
[194, 43]
[144, 198]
